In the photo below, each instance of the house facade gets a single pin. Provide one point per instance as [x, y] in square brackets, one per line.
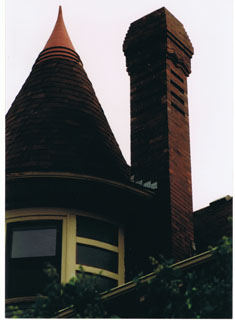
[71, 199]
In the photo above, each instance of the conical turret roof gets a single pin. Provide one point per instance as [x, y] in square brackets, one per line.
[56, 122]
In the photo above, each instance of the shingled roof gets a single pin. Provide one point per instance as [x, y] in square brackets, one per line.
[56, 122]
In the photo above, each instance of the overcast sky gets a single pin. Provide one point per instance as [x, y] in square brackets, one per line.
[97, 29]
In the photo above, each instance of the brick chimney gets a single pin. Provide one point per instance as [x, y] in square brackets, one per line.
[158, 53]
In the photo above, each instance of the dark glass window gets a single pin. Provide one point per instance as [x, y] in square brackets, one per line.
[33, 243]
[31, 246]
[97, 257]
[97, 230]
[103, 283]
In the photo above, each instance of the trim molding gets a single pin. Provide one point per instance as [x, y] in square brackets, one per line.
[97, 243]
[69, 175]
[98, 271]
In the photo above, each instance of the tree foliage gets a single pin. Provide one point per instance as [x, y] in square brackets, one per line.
[80, 295]
[204, 292]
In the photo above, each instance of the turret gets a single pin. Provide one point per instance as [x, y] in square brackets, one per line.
[63, 166]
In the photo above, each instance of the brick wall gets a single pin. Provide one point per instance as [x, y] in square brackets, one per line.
[212, 223]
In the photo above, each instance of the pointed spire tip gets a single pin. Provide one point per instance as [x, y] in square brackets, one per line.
[59, 36]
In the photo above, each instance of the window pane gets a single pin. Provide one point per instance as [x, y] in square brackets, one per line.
[97, 257]
[26, 279]
[103, 283]
[33, 243]
[97, 230]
